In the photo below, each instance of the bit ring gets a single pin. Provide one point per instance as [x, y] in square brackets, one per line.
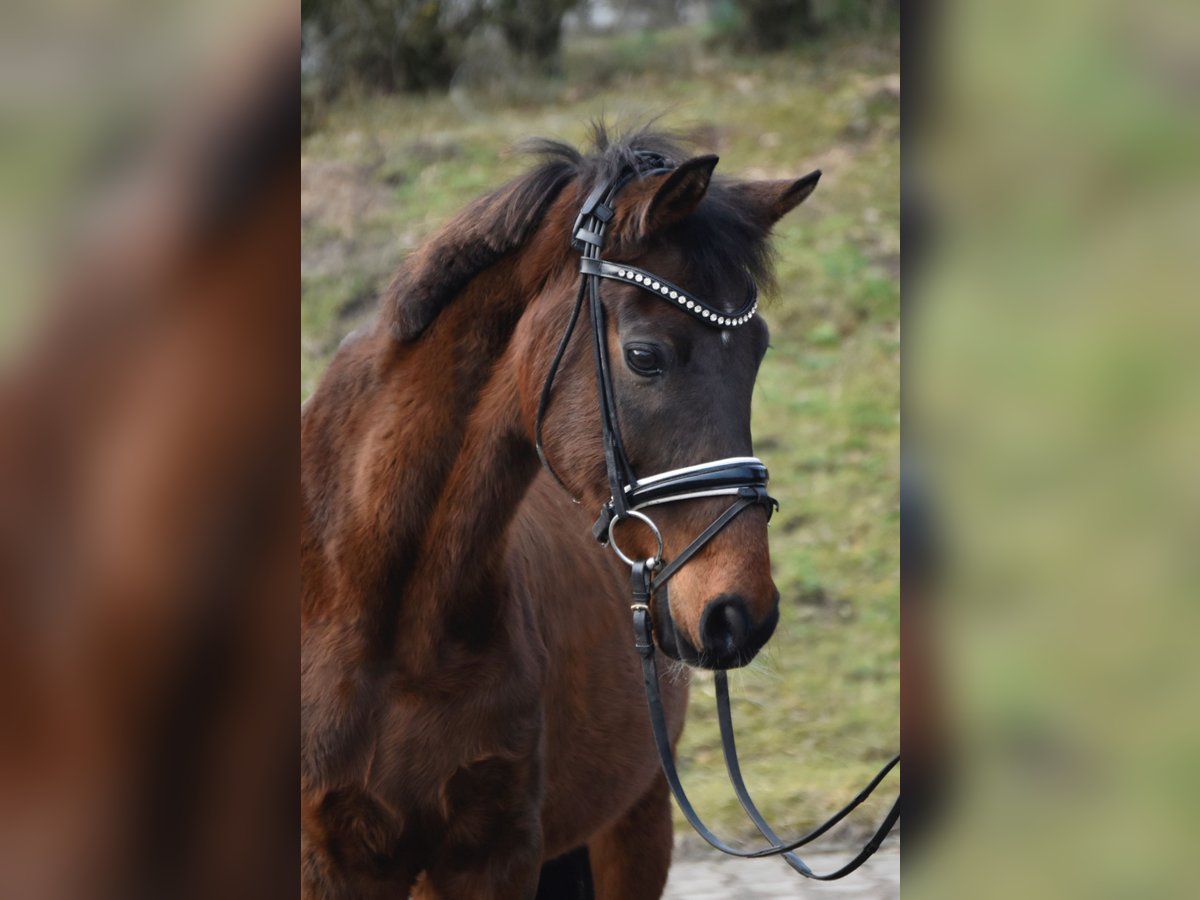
[655, 560]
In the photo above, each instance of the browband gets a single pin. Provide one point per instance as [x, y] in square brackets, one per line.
[689, 303]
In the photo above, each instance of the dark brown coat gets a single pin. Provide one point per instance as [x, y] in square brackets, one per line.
[471, 701]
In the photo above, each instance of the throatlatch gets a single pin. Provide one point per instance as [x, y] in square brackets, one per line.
[743, 478]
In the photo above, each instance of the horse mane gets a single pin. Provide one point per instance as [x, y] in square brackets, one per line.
[721, 237]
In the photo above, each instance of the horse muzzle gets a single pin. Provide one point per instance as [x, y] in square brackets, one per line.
[729, 637]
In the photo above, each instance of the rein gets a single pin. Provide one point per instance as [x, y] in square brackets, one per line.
[743, 478]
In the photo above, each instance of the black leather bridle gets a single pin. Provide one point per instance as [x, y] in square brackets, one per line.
[744, 478]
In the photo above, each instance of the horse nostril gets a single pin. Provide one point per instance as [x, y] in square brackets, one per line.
[724, 624]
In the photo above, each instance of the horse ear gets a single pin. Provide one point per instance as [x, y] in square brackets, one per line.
[772, 200]
[662, 200]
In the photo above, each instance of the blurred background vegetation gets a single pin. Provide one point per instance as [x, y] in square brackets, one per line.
[410, 111]
[426, 44]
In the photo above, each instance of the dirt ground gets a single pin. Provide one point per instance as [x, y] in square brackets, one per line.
[701, 874]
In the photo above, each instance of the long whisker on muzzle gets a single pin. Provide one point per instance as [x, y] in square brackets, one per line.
[763, 665]
[677, 671]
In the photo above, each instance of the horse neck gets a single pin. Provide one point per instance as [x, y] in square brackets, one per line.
[418, 461]
[458, 592]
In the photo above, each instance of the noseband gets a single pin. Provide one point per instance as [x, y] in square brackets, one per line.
[743, 478]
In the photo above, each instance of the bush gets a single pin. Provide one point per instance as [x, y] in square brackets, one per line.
[387, 44]
[533, 29]
[775, 24]
[414, 45]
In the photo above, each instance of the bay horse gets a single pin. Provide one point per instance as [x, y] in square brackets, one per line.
[471, 700]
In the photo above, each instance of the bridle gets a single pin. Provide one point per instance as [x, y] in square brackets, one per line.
[743, 478]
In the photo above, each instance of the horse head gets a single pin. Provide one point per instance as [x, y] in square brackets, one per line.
[679, 383]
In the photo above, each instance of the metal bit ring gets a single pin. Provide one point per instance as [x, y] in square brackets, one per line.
[655, 560]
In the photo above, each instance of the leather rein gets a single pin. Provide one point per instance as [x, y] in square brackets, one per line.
[743, 478]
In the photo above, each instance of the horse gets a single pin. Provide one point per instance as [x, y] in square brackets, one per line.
[471, 702]
[147, 528]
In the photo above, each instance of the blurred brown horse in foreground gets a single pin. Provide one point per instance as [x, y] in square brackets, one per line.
[471, 698]
[147, 524]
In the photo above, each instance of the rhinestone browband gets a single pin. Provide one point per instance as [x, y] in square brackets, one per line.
[689, 303]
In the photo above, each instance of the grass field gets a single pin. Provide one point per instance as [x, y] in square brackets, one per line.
[819, 713]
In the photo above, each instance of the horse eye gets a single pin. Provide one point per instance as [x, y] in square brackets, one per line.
[644, 359]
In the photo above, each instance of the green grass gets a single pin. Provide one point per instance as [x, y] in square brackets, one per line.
[820, 712]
